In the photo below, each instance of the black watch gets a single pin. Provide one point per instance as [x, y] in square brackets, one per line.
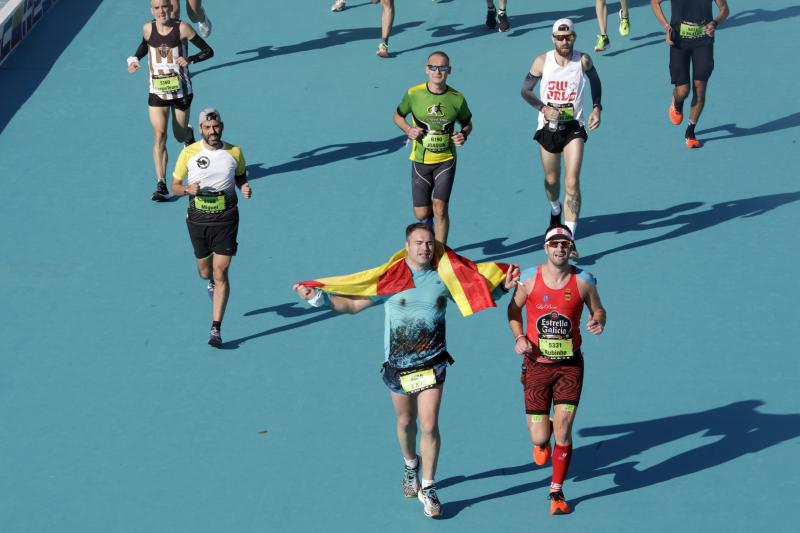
[598, 106]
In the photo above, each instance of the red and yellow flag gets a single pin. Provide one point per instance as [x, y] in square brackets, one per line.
[470, 284]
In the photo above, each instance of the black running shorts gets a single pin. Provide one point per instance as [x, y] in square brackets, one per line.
[432, 181]
[555, 141]
[181, 104]
[701, 59]
[219, 239]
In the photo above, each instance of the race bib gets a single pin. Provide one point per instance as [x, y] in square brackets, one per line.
[435, 141]
[166, 84]
[555, 348]
[209, 203]
[417, 381]
[690, 30]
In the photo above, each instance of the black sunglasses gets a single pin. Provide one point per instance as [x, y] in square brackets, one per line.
[439, 68]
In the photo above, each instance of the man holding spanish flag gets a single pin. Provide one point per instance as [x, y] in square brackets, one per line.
[414, 286]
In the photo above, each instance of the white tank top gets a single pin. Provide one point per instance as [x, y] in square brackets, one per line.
[562, 87]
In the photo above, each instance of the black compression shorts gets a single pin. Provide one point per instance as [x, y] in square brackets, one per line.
[701, 59]
[432, 181]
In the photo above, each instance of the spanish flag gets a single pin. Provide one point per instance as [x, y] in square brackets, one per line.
[470, 284]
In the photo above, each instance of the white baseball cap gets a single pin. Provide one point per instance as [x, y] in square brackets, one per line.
[563, 25]
[209, 113]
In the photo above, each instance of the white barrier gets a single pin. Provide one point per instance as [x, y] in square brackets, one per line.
[17, 19]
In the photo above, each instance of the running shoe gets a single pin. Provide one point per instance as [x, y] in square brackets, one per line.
[214, 338]
[189, 139]
[557, 503]
[603, 43]
[675, 115]
[161, 194]
[430, 502]
[491, 19]
[556, 219]
[204, 27]
[692, 142]
[624, 25]
[503, 24]
[338, 5]
[541, 454]
[411, 481]
[383, 50]
[210, 288]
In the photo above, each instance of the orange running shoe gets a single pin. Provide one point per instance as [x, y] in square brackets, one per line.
[541, 454]
[675, 116]
[691, 142]
[557, 503]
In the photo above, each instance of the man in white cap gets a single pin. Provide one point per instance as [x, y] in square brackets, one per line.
[552, 365]
[563, 73]
[213, 169]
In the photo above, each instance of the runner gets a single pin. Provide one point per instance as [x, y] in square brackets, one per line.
[196, 13]
[497, 19]
[416, 357]
[213, 169]
[601, 8]
[435, 107]
[552, 367]
[561, 123]
[164, 40]
[387, 19]
[690, 36]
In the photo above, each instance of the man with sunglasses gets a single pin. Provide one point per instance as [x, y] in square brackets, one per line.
[213, 170]
[563, 72]
[690, 36]
[552, 366]
[435, 107]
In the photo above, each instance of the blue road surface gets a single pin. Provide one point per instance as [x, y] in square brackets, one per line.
[117, 417]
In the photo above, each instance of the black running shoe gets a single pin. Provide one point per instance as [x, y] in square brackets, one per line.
[491, 19]
[161, 194]
[502, 19]
[215, 339]
[189, 139]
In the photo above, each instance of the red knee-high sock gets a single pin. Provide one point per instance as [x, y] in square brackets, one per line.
[561, 457]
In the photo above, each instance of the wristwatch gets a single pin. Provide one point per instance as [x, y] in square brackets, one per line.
[598, 106]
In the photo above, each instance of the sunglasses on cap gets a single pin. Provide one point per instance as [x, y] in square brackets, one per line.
[559, 244]
[439, 68]
[562, 37]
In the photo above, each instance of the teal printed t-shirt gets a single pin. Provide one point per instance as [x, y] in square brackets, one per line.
[415, 327]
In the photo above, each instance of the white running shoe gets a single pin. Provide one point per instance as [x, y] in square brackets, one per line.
[430, 502]
[204, 27]
[338, 5]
